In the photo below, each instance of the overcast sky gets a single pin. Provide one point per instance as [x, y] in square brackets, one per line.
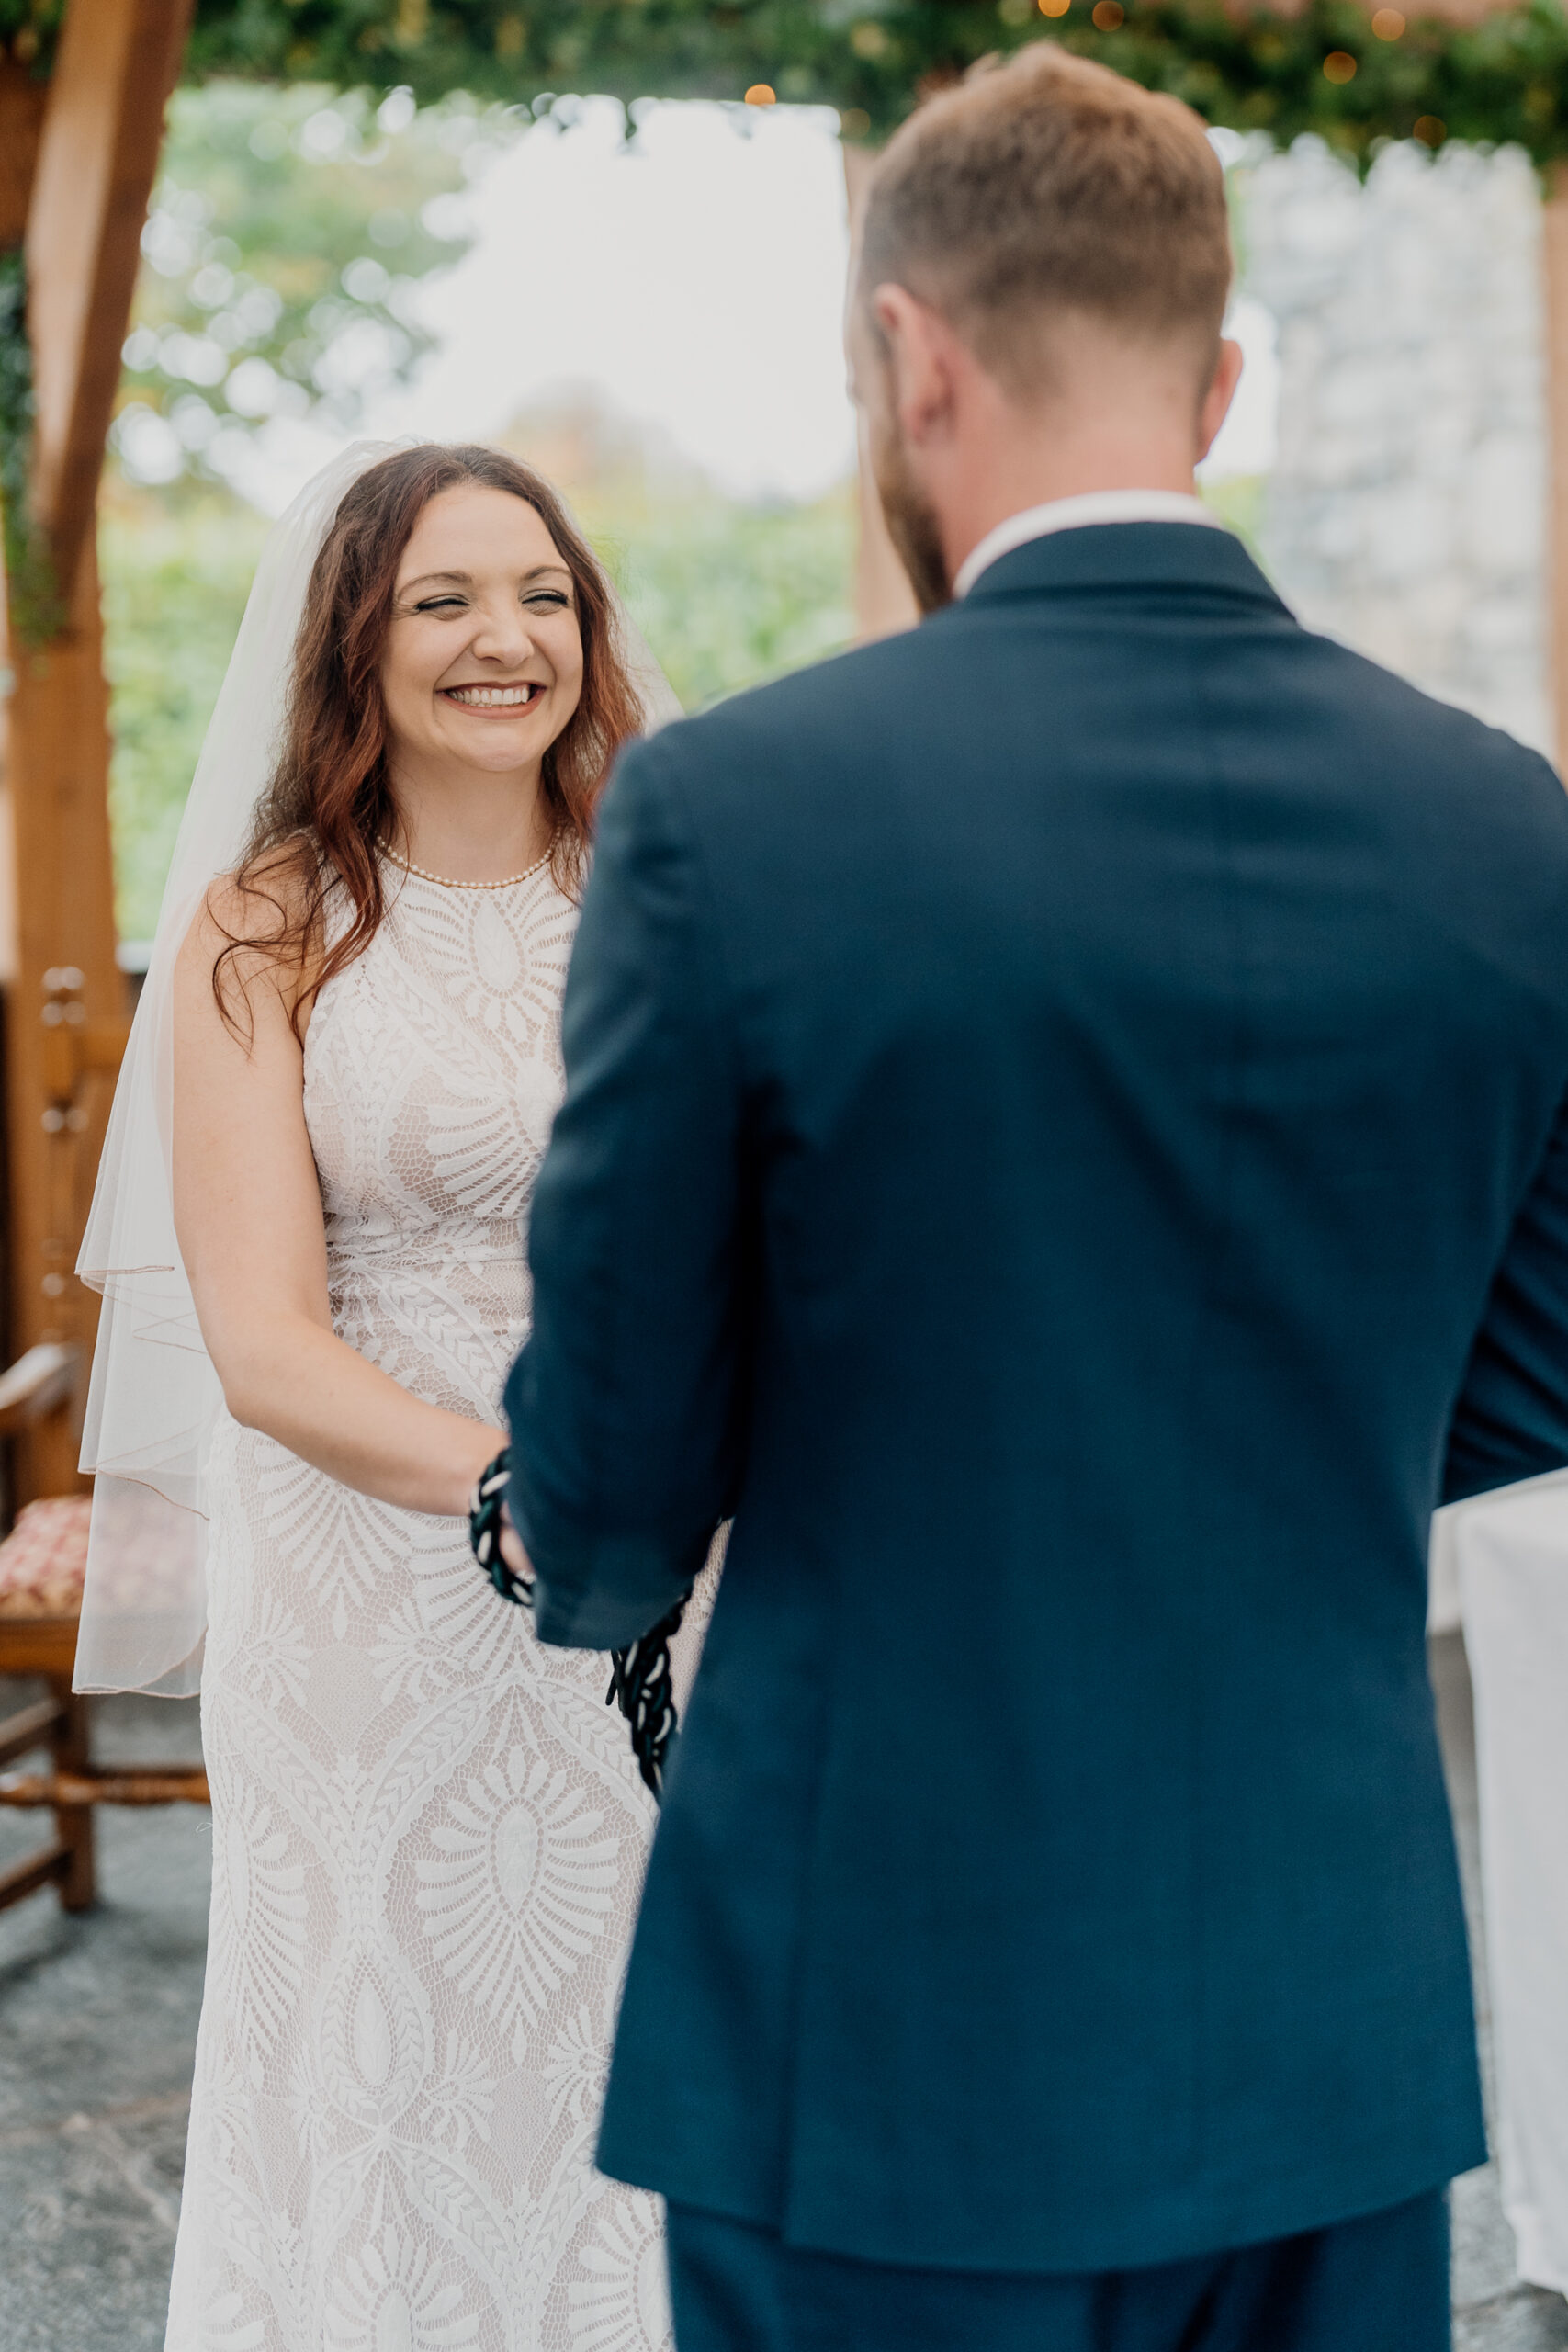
[694, 279]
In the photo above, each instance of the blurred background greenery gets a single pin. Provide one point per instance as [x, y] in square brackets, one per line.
[289, 240]
[287, 246]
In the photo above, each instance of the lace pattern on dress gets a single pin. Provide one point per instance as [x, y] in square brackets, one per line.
[428, 1831]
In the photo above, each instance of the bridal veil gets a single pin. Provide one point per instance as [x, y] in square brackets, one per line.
[154, 1396]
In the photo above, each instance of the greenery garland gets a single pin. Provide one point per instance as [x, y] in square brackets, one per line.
[33, 605]
[1354, 78]
[1357, 80]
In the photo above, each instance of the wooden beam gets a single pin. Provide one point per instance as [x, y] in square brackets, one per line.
[48, 1868]
[53, 802]
[22, 101]
[129, 1784]
[96, 156]
[29, 1728]
[112, 76]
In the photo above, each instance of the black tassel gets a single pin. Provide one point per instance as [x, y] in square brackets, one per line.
[640, 1676]
[639, 1679]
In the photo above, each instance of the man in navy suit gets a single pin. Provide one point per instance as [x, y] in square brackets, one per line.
[1065, 1141]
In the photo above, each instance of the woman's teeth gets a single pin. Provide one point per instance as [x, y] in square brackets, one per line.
[493, 697]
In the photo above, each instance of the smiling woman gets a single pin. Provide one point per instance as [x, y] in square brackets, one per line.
[482, 674]
[445, 569]
[366, 1065]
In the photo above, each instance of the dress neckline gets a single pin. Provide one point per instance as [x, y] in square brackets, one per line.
[445, 882]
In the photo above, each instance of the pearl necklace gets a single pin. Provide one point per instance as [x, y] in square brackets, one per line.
[444, 881]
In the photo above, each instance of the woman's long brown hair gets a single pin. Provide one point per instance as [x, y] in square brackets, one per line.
[329, 806]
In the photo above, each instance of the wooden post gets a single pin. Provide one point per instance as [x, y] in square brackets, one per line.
[57, 776]
[1554, 260]
[884, 599]
[102, 132]
[22, 102]
[96, 153]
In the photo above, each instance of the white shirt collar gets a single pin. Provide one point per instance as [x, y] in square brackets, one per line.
[1073, 513]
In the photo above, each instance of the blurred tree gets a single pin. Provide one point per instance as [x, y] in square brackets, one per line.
[727, 593]
[176, 578]
[730, 595]
[282, 258]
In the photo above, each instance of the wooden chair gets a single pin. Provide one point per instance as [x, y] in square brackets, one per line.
[42, 1565]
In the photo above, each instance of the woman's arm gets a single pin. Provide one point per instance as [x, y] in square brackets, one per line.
[248, 1213]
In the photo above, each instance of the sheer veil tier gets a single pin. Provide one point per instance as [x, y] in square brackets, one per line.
[154, 1396]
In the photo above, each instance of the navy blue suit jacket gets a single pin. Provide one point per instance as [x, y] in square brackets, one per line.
[1064, 1138]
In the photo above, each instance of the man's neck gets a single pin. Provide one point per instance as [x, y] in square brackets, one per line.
[1034, 479]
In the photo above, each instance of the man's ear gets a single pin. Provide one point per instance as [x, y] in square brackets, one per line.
[1219, 396]
[922, 362]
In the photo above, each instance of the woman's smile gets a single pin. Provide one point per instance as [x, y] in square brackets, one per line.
[521, 697]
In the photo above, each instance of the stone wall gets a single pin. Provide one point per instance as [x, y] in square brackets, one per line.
[1407, 513]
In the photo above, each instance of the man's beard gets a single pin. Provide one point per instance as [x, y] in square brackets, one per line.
[911, 523]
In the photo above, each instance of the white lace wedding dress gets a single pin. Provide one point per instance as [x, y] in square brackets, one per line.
[428, 1832]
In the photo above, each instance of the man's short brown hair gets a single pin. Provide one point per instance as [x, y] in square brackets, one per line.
[1049, 185]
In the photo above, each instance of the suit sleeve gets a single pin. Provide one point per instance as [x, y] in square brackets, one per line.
[1511, 1420]
[624, 1403]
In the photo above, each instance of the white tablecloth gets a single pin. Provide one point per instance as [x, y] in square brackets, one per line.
[1503, 1561]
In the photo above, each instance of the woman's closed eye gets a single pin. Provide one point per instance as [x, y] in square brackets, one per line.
[548, 600]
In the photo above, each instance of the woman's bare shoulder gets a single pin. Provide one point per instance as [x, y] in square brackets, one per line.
[252, 941]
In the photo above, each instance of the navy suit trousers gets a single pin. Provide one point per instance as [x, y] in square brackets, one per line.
[1379, 2283]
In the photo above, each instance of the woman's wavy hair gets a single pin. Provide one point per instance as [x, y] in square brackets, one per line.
[329, 806]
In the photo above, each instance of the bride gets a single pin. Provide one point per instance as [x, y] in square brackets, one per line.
[428, 1831]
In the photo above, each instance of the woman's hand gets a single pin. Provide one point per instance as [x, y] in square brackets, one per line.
[248, 1214]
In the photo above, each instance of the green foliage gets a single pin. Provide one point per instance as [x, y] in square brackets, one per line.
[1498, 80]
[29, 28]
[726, 595]
[175, 576]
[284, 248]
[32, 600]
[730, 595]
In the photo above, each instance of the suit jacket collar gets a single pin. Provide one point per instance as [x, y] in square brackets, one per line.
[1125, 555]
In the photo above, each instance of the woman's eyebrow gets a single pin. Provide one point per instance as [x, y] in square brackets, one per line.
[466, 579]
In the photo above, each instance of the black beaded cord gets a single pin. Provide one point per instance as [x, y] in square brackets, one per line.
[640, 1676]
[486, 1515]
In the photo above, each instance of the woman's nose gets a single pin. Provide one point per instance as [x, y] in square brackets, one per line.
[504, 635]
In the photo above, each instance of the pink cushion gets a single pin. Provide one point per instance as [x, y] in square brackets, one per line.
[44, 1559]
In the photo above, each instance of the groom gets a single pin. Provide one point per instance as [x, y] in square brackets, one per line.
[1065, 1141]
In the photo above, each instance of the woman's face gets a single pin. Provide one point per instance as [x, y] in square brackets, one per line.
[483, 664]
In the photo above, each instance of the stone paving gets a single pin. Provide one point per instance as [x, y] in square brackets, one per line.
[97, 2027]
[98, 2023]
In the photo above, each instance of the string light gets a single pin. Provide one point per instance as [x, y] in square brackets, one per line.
[1339, 66]
[1388, 24]
[1054, 8]
[1109, 14]
[1431, 129]
[760, 95]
